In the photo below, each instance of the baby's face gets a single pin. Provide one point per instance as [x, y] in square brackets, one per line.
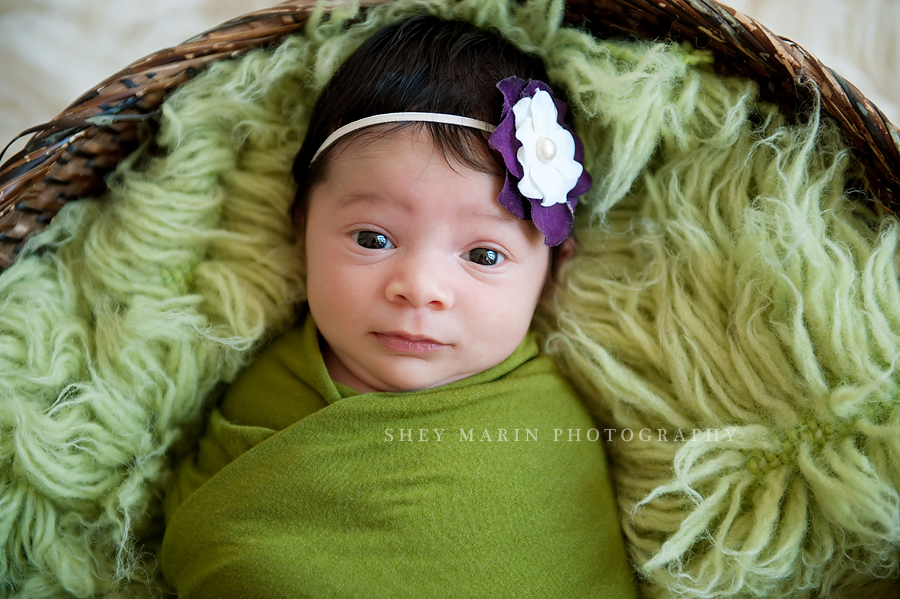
[417, 276]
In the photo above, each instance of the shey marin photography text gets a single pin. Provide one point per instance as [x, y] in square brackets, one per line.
[556, 435]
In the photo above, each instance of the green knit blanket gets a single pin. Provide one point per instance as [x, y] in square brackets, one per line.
[473, 489]
[732, 315]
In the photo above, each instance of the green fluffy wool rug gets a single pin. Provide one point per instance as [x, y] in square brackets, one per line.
[732, 316]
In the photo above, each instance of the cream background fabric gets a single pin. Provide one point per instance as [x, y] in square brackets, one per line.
[51, 51]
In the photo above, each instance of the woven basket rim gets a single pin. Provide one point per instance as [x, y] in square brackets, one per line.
[68, 157]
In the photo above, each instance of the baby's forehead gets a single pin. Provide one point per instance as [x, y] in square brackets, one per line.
[405, 156]
[403, 170]
[482, 208]
[461, 148]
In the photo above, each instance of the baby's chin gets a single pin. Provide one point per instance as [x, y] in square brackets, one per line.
[406, 374]
[401, 374]
[406, 382]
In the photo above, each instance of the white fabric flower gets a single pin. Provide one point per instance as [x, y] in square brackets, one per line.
[547, 154]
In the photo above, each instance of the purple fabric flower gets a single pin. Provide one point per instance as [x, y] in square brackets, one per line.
[544, 158]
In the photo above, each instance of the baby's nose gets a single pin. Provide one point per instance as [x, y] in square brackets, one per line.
[421, 283]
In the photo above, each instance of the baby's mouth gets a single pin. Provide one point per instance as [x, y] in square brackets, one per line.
[406, 343]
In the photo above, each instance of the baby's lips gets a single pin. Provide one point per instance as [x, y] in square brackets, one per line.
[408, 343]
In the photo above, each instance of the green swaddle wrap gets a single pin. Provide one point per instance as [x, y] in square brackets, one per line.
[304, 488]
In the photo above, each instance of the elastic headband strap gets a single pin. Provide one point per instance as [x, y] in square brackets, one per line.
[399, 117]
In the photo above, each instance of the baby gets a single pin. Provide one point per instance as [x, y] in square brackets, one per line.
[408, 438]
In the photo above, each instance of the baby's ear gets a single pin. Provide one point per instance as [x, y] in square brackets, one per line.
[565, 251]
[558, 256]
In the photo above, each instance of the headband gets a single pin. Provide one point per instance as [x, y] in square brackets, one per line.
[544, 158]
[402, 117]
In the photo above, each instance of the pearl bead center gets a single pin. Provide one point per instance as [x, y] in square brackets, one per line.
[546, 149]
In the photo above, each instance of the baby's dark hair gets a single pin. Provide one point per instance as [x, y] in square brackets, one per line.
[423, 64]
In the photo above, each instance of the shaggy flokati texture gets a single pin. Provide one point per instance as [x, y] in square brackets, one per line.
[736, 322]
[725, 281]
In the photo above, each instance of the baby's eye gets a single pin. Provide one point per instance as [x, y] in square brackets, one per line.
[372, 240]
[485, 256]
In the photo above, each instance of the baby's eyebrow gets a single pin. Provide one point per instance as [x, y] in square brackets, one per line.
[360, 197]
[369, 198]
[495, 219]
[375, 198]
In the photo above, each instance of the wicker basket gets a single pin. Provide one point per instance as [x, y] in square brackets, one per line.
[68, 157]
